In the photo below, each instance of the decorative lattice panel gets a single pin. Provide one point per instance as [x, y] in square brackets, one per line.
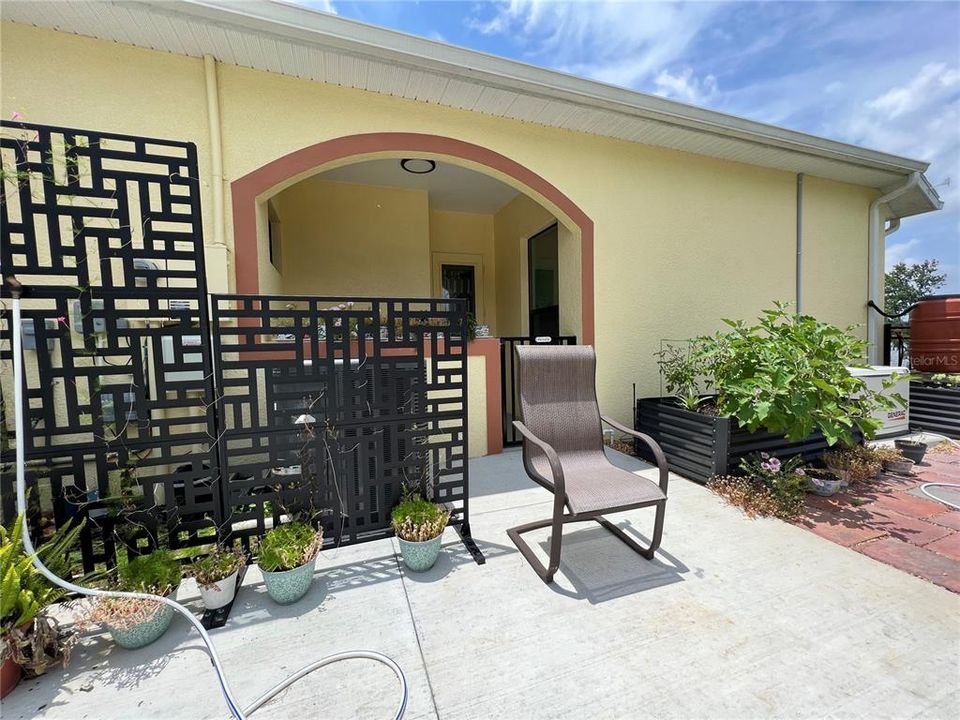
[105, 233]
[331, 406]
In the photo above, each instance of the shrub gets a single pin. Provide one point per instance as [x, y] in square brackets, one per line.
[787, 374]
[288, 546]
[218, 565]
[418, 520]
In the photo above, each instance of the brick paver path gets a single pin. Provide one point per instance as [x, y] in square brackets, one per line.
[893, 522]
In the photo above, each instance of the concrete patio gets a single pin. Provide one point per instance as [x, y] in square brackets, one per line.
[736, 618]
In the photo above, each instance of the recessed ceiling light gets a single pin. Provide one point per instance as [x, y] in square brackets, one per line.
[418, 166]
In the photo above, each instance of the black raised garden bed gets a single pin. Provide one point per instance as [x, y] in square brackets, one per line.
[935, 407]
[700, 446]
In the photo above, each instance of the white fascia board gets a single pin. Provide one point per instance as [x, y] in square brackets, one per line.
[298, 24]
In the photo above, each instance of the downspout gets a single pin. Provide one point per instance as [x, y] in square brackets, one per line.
[799, 268]
[216, 147]
[875, 252]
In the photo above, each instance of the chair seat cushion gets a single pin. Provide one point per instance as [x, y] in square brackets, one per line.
[594, 484]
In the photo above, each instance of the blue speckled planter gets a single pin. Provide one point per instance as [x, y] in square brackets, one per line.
[420, 556]
[145, 633]
[288, 586]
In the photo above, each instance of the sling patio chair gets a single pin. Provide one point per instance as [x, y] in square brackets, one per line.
[563, 451]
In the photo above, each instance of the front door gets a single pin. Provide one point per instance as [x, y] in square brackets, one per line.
[543, 281]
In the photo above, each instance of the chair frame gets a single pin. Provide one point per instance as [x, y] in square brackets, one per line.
[561, 517]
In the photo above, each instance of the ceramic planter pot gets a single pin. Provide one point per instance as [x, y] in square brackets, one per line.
[141, 635]
[420, 556]
[220, 593]
[288, 586]
[10, 673]
[900, 467]
[911, 451]
[825, 487]
[843, 476]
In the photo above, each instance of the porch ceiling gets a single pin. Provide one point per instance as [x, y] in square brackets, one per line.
[448, 186]
[291, 40]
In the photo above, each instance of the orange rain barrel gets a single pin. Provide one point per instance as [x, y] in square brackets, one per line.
[935, 334]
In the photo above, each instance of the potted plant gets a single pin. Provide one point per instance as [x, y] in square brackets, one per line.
[134, 623]
[29, 638]
[419, 526]
[893, 461]
[823, 481]
[913, 450]
[935, 403]
[216, 575]
[288, 555]
[781, 385]
[855, 463]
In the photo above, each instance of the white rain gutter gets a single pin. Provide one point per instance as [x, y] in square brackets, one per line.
[216, 147]
[875, 253]
[799, 268]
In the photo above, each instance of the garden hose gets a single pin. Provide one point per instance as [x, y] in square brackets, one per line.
[923, 488]
[235, 709]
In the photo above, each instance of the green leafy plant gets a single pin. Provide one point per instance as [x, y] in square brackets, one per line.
[31, 637]
[417, 520]
[288, 546]
[471, 327]
[24, 592]
[786, 481]
[218, 565]
[684, 373]
[948, 379]
[158, 573]
[788, 375]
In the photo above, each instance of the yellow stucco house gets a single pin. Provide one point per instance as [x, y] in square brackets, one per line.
[342, 159]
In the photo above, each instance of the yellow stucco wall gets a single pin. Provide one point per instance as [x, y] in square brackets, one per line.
[835, 251]
[346, 239]
[472, 234]
[680, 240]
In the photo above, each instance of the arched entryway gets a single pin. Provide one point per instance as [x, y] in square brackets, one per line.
[250, 191]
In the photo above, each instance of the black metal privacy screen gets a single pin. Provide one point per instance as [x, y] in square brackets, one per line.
[132, 424]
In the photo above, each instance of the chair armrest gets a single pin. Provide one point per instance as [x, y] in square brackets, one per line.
[555, 468]
[651, 443]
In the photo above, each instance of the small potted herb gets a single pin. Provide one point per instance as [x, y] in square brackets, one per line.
[912, 449]
[134, 623]
[216, 575]
[288, 555]
[419, 526]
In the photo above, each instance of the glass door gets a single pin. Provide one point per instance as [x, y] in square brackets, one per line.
[543, 280]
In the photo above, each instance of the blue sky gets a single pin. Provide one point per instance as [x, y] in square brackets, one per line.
[882, 75]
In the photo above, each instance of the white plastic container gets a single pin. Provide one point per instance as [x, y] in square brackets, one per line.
[896, 421]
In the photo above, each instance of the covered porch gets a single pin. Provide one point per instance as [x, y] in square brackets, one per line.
[431, 226]
[696, 632]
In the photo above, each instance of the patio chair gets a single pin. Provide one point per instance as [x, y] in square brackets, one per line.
[563, 451]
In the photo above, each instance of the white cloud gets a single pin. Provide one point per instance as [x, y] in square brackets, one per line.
[321, 5]
[931, 82]
[615, 42]
[685, 86]
[902, 252]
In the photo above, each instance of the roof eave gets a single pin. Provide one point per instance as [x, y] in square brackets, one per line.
[295, 22]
